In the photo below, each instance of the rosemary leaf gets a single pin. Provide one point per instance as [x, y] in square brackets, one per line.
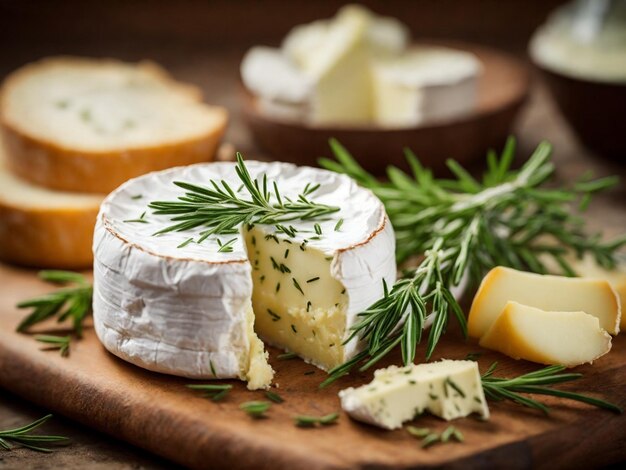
[255, 409]
[22, 437]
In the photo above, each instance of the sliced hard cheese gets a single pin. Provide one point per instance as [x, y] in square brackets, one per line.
[566, 338]
[186, 311]
[89, 125]
[588, 268]
[547, 292]
[448, 389]
[428, 83]
[44, 228]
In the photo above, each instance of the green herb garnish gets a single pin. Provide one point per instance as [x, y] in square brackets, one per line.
[463, 227]
[22, 437]
[73, 303]
[213, 391]
[255, 409]
[62, 343]
[219, 208]
[305, 421]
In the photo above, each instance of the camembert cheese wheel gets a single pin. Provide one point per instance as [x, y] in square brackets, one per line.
[174, 306]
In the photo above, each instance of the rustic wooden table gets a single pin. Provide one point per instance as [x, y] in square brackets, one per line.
[217, 74]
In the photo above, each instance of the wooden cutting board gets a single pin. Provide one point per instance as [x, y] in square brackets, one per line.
[157, 412]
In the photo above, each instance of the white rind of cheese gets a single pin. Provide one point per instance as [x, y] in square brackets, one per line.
[426, 84]
[447, 389]
[563, 338]
[187, 311]
[547, 292]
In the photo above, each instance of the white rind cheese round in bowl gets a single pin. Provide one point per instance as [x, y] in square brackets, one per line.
[172, 305]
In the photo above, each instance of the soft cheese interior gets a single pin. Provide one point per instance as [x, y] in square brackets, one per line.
[172, 305]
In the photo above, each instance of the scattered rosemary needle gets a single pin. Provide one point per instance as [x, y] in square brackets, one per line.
[285, 356]
[430, 439]
[213, 391]
[256, 409]
[22, 437]
[273, 396]
[305, 421]
[537, 383]
[62, 343]
[417, 432]
[461, 228]
[218, 208]
[70, 303]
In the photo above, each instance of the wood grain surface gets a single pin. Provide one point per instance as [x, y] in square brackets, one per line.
[158, 413]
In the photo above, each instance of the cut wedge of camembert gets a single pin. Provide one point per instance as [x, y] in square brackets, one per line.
[447, 389]
[555, 293]
[172, 305]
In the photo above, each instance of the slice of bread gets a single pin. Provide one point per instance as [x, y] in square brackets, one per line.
[44, 228]
[88, 125]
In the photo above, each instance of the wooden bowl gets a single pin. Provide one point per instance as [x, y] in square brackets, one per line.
[503, 88]
[595, 110]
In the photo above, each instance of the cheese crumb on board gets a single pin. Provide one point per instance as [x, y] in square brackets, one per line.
[447, 389]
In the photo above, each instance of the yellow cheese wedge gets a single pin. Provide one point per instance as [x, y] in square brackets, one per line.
[556, 293]
[588, 268]
[567, 338]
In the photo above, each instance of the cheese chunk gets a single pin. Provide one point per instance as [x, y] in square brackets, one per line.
[565, 338]
[447, 389]
[547, 292]
[88, 125]
[44, 228]
[588, 268]
[427, 84]
[175, 306]
[329, 63]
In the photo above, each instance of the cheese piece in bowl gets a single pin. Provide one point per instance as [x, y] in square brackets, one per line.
[174, 304]
[354, 70]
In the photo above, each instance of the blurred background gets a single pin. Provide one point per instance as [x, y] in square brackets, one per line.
[203, 42]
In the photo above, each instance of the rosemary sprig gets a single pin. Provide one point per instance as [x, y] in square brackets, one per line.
[62, 343]
[256, 409]
[22, 436]
[212, 391]
[463, 227]
[72, 303]
[537, 383]
[305, 421]
[219, 208]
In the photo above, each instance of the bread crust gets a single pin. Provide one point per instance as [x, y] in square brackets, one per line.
[55, 166]
[47, 238]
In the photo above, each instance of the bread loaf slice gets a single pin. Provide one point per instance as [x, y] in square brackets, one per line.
[44, 228]
[88, 125]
